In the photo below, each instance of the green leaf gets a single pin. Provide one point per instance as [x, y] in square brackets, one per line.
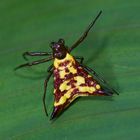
[112, 48]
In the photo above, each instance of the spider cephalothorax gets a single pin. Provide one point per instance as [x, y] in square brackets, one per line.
[59, 49]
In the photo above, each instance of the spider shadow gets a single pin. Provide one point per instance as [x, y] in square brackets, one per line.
[31, 73]
[101, 59]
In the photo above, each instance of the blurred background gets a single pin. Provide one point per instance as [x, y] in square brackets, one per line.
[112, 49]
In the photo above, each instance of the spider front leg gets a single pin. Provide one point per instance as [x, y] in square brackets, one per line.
[34, 63]
[35, 54]
[84, 35]
[50, 70]
[108, 88]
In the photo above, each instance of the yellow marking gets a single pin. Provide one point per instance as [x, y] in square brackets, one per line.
[76, 96]
[59, 61]
[64, 98]
[79, 80]
[62, 74]
[72, 70]
[92, 89]
[67, 95]
[64, 86]
[56, 64]
[63, 67]
[54, 91]
[70, 67]
[86, 89]
[89, 76]
[69, 64]
[98, 86]
[61, 101]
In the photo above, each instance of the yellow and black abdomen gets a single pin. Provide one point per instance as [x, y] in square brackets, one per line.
[70, 82]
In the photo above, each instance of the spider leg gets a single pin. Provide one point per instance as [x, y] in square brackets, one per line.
[50, 70]
[84, 35]
[35, 54]
[34, 63]
[108, 88]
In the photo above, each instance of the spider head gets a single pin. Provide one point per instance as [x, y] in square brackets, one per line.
[59, 49]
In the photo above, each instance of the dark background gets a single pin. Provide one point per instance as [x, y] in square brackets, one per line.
[112, 49]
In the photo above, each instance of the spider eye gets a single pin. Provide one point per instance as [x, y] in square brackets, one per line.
[61, 41]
